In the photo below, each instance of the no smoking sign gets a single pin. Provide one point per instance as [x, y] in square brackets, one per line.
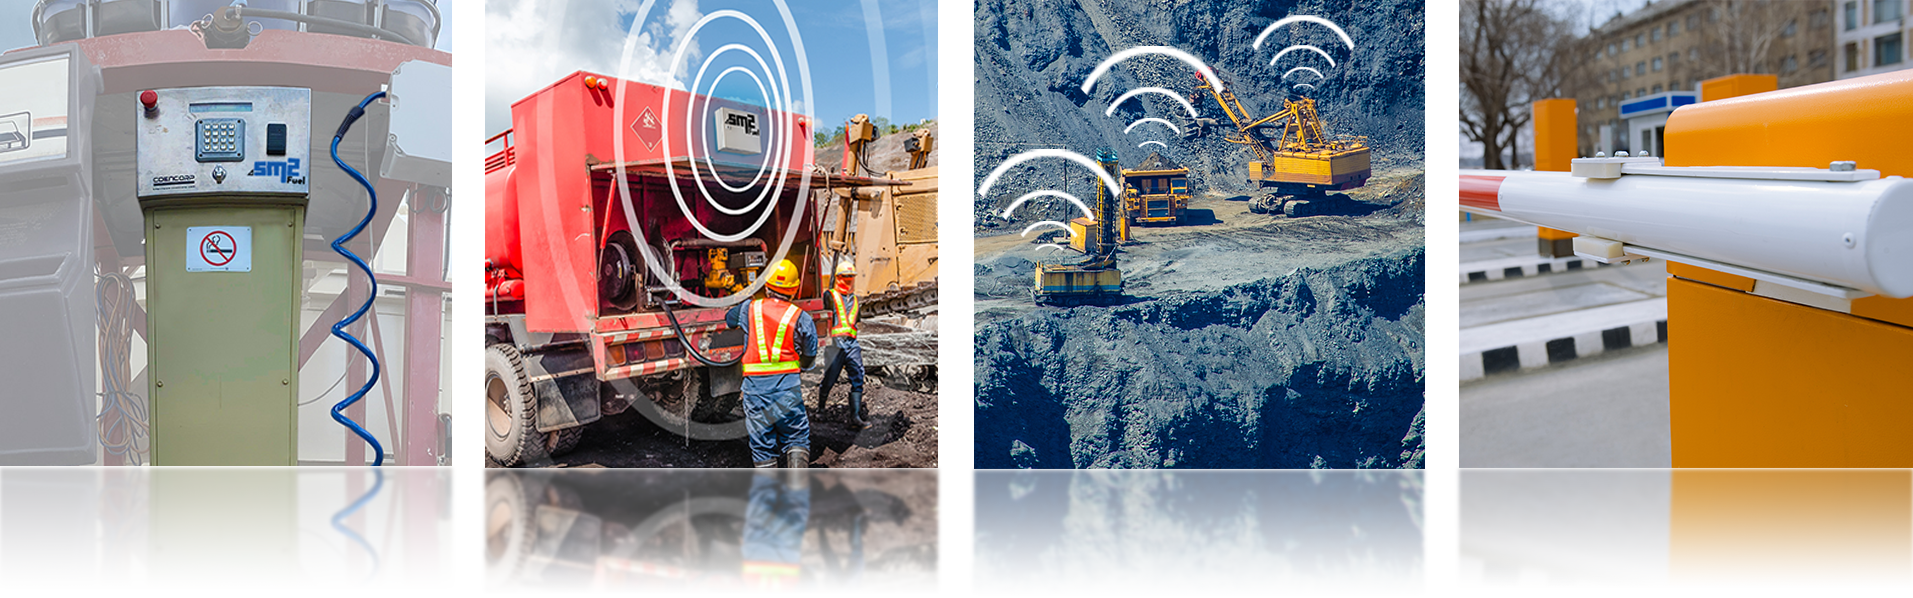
[219, 249]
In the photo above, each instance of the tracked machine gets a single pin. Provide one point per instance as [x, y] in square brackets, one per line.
[1300, 163]
[1096, 279]
[612, 258]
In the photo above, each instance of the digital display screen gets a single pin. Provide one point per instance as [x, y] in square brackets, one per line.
[221, 107]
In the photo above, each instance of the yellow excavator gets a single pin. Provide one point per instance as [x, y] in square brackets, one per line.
[1300, 166]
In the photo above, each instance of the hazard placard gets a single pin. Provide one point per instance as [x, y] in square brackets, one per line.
[219, 249]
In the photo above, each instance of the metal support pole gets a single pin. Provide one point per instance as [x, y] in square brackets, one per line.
[424, 318]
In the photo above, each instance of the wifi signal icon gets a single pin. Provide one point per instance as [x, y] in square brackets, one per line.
[1103, 177]
[1303, 51]
[1202, 70]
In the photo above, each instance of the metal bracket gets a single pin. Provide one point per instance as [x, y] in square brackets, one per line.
[1614, 168]
[1830, 290]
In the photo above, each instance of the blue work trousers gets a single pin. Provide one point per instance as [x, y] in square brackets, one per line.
[776, 421]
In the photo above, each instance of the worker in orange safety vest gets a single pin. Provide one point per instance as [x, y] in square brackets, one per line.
[849, 355]
[781, 341]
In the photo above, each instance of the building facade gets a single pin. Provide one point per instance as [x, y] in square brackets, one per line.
[1871, 37]
[1673, 45]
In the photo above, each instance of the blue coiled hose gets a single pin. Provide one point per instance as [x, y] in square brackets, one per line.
[338, 245]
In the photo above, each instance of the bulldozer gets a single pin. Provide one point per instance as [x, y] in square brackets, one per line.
[1301, 164]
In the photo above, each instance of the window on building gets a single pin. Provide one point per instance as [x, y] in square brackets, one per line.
[1654, 35]
[1789, 64]
[1693, 21]
[1610, 49]
[1817, 59]
[1819, 19]
[1673, 58]
[1693, 53]
[1657, 88]
[1624, 44]
[1792, 27]
[1640, 68]
[1673, 29]
[1886, 49]
[1851, 11]
[1713, 15]
[1853, 56]
[1886, 10]
[1640, 92]
[1637, 41]
[1657, 64]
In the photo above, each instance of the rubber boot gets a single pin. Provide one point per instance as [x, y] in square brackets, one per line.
[798, 469]
[857, 407]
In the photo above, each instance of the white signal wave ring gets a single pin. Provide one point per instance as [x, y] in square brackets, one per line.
[670, 168]
[1109, 180]
[777, 103]
[1304, 68]
[1285, 51]
[1191, 108]
[771, 140]
[1049, 193]
[771, 99]
[1164, 145]
[1027, 229]
[1111, 61]
[1302, 19]
[1152, 119]
[624, 190]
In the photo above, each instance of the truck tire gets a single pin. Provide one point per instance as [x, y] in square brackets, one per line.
[511, 410]
[510, 523]
[559, 442]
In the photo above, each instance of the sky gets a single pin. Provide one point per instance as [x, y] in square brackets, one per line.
[16, 24]
[534, 42]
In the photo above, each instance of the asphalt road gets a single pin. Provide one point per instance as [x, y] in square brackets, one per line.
[1569, 467]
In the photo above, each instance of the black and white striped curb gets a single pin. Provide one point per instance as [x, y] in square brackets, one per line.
[1556, 350]
[1475, 572]
[1504, 269]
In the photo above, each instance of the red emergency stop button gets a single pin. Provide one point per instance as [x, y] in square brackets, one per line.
[150, 99]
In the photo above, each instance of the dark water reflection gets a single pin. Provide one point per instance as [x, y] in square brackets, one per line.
[711, 529]
[1186, 530]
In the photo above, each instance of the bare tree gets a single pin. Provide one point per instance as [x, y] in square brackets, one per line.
[1513, 52]
[1739, 33]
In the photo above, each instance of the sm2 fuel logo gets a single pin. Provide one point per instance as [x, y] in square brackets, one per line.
[287, 170]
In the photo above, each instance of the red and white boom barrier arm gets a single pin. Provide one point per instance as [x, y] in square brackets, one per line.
[1842, 232]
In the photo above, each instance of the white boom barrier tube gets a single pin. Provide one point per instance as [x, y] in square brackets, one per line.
[1857, 234]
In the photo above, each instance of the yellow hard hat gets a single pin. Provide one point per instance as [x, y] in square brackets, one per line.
[785, 278]
[846, 269]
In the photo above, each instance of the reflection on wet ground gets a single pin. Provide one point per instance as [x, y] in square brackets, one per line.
[1135, 530]
[711, 529]
[86, 531]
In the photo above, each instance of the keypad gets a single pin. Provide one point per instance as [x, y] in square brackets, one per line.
[220, 140]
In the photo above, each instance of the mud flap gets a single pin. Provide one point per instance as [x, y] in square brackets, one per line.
[566, 538]
[566, 384]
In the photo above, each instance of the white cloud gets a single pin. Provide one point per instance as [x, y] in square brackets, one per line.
[533, 43]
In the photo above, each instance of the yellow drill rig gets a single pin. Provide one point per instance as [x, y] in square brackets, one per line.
[1299, 166]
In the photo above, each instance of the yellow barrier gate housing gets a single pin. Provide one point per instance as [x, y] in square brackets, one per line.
[1760, 382]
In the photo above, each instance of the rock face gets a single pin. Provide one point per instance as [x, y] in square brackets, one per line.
[1317, 368]
[1033, 56]
[1184, 534]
